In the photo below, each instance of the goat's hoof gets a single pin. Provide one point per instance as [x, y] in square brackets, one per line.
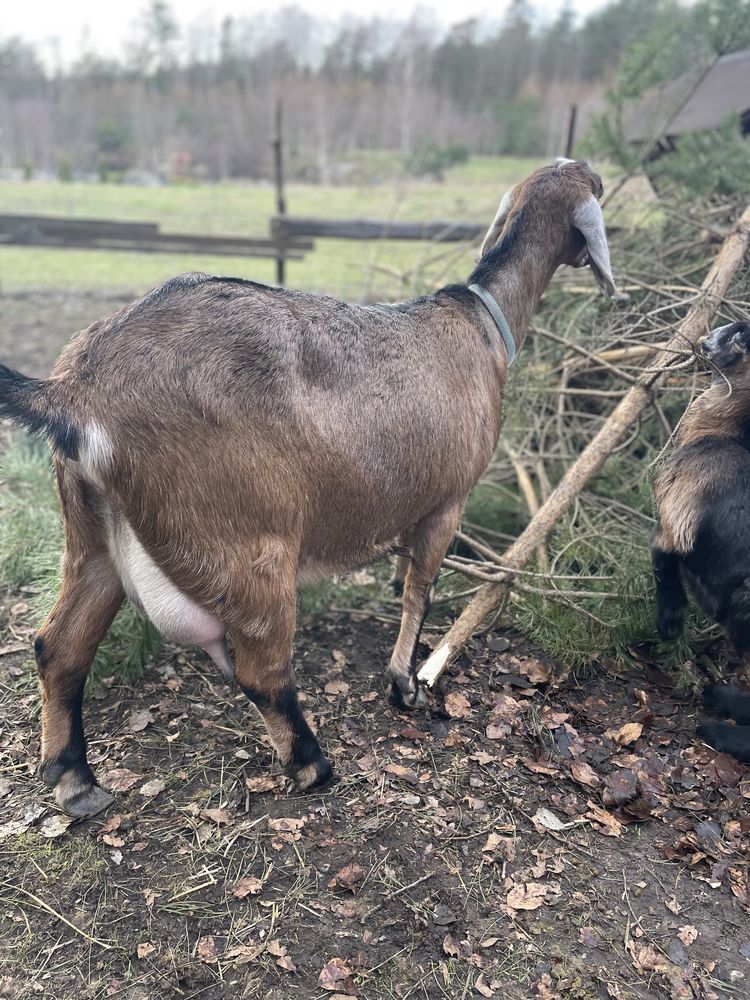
[76, 791]
[313, 775]
[717, 699]
[406, 700]
[82, 801]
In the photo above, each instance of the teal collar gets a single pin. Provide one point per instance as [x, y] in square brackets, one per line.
[498, 318]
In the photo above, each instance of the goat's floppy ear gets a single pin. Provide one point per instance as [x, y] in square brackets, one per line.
[589, 221]
[493, 233]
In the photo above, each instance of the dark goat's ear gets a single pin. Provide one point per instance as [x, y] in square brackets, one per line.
[741, 338]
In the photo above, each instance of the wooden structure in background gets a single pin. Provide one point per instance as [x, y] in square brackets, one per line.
[292, 227]
[141, 237]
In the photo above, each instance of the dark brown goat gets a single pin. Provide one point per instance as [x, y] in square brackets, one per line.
[702, 539]
[219, 441]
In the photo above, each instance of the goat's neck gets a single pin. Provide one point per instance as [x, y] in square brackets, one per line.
[718, 412]
[517, 286]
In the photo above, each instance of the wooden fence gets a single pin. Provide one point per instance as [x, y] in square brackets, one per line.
[291, 227]
[143, 237]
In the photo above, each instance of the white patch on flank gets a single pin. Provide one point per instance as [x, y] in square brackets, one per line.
[434, 664]
[96, 453]
[176, 616]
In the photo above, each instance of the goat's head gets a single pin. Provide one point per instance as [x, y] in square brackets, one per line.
[727, 349]
[558, 203]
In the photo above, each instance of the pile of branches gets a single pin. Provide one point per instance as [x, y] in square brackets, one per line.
[587, 590]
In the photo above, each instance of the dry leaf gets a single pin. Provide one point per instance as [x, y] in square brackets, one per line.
[687, 934]
[138, 719]
[219, 816]
[280, 953]
[620, 787]
[247, 886]
[606, 822]
[120, 779]
[526, 897]
[242, 954]
[334, 974]
[545, 819]
[286, 824]
[263, 783]
[145, 949]
[404, 773]
[457, 705]
[647, 959]
[505, 846]
[153, 788]
[112, 824]
[337, 687]
[673, 905]
[55, 826]
[584, 774]
[451, 946]
[347, 878]
[482, 986]
[537, 673]
[206, 949]
[626, 734]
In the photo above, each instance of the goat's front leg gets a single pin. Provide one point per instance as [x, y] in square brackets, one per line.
[670, 593]
[428, 543]
[65, 646]
[263, 669]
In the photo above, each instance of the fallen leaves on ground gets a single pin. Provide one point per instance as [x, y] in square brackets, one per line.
[335, 975]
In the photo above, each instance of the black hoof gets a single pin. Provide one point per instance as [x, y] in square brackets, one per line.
[312, 776]
[406, 701]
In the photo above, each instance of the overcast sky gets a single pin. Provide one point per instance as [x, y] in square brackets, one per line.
[62, 24]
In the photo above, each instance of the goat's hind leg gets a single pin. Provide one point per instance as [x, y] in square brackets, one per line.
[671, 599]
[89, 599]
[263, 669]
[428, 543]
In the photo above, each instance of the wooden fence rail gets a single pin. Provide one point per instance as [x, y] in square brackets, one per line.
[143, 237]
[294, 226]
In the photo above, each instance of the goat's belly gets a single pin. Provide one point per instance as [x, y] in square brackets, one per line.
[175, 615]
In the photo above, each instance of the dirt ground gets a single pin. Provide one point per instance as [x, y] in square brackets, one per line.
[531, 834]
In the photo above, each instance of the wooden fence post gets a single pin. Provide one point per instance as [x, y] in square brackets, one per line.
[278, 177]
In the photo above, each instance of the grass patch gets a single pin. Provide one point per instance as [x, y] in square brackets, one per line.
[31, 544]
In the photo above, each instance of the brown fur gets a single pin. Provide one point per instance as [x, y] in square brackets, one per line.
[689, 480]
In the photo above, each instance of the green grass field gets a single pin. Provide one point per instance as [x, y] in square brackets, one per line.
[348, 268]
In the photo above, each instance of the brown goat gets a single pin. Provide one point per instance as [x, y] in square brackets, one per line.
[218, 442]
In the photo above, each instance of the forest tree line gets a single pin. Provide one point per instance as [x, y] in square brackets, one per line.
[197, 100]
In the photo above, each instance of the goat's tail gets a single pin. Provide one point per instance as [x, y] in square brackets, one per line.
[27, 401]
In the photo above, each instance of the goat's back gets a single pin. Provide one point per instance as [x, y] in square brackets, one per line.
[290, 413]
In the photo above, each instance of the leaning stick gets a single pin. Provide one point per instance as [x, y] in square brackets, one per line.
[695, 324]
